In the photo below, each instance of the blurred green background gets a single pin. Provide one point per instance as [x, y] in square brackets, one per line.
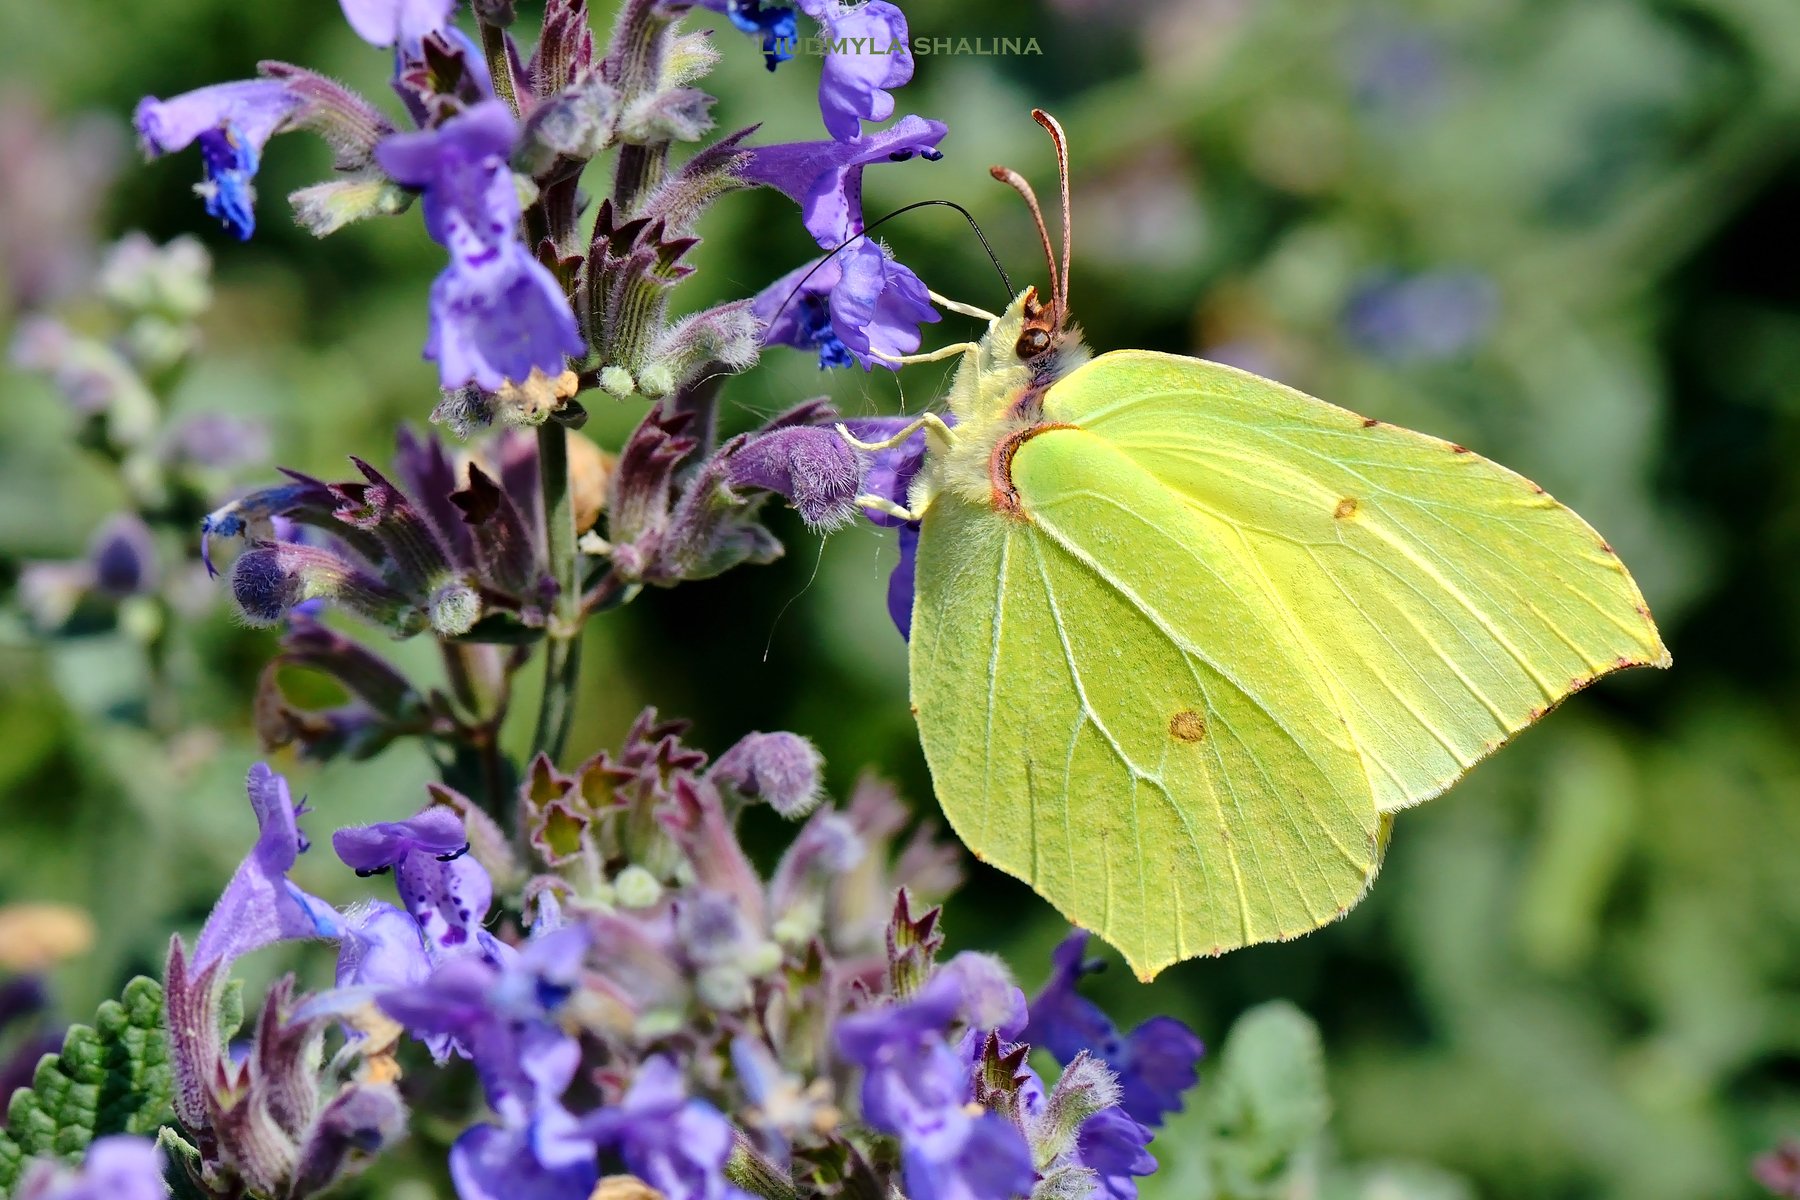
[1560, 232]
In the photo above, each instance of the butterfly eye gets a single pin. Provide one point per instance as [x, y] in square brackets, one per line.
[1032, 343]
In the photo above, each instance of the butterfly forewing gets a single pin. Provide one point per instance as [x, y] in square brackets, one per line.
[1445, 601]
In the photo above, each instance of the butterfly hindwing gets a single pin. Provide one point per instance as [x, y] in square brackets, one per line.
[1115, 720]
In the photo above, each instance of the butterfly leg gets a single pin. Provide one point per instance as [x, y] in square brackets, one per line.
[934, 427]
[938, 355]
[882, 504]
[957, 306]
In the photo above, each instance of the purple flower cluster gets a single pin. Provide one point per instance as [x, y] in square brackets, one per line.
[667, 1011]
[423, 553]
[497, 313]
[857, 305]
[642, 1006]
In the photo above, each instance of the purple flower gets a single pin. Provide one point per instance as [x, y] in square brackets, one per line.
[779, 769]
[825, 178]
[497, 1006]
[120, 1167]
[772, 24]
[676, 1145]
[491, 1163]
[402, 23]
[497, 1010]
[272, 578]
[496, 312]
[902, 581]
[259, 906]
[917, 1086]
[1115, 1148]
[123, 556]
[232, 122]
[866, 53]
[814, 468]
[381, 947]
[1155, 1062]
[444, 889]
[859, 306]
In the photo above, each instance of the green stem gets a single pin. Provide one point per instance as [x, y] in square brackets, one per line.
[562, 658]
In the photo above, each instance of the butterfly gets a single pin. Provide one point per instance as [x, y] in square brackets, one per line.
[1184, 639]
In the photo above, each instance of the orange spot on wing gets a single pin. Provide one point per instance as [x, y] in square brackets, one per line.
[1187, 726]
[1345, 508]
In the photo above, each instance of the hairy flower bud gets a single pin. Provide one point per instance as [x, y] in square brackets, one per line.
[778, 769]
[270, 578]
[575, 126]
[454, 608]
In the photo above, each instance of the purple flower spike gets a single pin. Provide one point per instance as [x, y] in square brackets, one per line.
[259, 906]
[446, 891]
[814, 468]
[232, 122]
[1155, 1063]
[496, 312]
[402, 23]
[676, 1145]
[825, 178]
[853, 86]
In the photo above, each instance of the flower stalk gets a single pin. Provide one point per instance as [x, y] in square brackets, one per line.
[562, 659]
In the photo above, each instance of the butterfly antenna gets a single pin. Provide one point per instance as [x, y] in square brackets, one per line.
[1017, 183]
[877, 223]
[1061, 139]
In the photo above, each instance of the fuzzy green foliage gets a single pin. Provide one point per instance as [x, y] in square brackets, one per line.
[110, 1077]
[1258, 1127]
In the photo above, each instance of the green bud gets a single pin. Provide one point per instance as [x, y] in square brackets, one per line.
[617, 382]
[636, 888]
[326, 208]
[454, 608]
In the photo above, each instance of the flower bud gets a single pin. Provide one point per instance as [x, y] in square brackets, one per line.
[123, 555]
[270, 578]
[778, 769]
[816, 469]
[636, 888]
[325, 208]
[576, 125]
[454, 608]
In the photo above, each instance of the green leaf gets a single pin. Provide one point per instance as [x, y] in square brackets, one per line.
[1271, 1085]
[111, 1077]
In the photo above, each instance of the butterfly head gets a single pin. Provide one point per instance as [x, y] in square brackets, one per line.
[1029, 345]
